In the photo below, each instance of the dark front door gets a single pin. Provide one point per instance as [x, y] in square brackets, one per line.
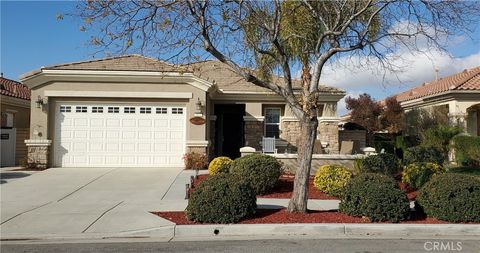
[229, 136]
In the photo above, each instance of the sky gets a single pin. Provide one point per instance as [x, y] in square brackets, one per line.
[31, 37]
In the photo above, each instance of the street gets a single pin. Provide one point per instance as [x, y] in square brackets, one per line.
[277, 246]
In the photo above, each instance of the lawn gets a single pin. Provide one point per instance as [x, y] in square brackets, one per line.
[473, 171]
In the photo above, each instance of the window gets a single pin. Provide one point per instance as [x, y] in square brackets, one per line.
[80, 109]
[129, 110]
[272, 122]
[112, 109]
[177, 110]
[145, 110]
[97, 109]
[161, 110]
[65, 108]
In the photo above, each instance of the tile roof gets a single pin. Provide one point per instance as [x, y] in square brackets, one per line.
[469, 79]
[14, 89]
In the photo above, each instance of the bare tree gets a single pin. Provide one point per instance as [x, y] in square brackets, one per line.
[277, 37]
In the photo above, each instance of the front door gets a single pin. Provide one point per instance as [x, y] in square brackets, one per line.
[229, 137]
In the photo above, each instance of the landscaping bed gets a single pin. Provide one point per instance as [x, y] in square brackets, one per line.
[281, 216]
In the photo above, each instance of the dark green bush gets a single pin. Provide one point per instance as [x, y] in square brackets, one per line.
[221, 198]
[420, 154]
[467, 150]
[440, 137]
[375, 196]
[261, 171]
[381, 163]
[451, 197]
[387, 146]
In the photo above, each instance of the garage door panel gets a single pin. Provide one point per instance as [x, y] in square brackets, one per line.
[123, 136]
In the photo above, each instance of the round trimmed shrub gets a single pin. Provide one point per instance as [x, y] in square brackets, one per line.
[451, 197]
[260, 171]
[417, 174]
[385, 163]
[375, 196]
[219, 165]
[420, 154]
[331, 179]
[223, 198]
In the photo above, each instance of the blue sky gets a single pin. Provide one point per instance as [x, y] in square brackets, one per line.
[32, 37]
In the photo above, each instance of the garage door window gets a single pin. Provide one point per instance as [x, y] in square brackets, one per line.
[112, 109]
[145, 110]
[129, 110]
[97, 109]
[161, 110]
[65, 109]
[81, 109]
[177, 110]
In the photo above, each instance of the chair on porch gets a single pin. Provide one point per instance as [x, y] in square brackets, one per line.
[268, 145]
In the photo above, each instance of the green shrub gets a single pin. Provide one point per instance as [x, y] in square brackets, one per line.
[381, 163]
[331, 179]
[375, 196]
[417, 174]
[195, 161]
[388, 146]
[420, 154]
[219, 165]
[467, 150]
[222, 198]
[261, 171]
[451, 197]
[440, 137]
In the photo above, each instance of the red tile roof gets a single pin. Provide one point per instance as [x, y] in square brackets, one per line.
[469, 79]
[14, 89]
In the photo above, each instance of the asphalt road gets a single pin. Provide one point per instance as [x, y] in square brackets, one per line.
[276, 246]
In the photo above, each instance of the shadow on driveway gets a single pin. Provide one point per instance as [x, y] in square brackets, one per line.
[4, 176]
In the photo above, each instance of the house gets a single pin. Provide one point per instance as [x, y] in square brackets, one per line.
[132, 111]
[459, 94]
[15, 110]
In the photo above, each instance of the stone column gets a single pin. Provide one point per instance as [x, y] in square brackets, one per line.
[38, 153]
[328, 128]
[253, 131]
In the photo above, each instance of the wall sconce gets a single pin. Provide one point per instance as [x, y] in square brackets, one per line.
[40, 102]
[198, 108]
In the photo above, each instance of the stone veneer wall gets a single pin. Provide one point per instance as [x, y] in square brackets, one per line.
[253, 134]
[328, 132]
[290, 164]
[200, 150]
[37, 156]
[290, 133]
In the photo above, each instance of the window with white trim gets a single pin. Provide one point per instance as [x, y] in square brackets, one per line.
[161, 110]
[129, 110]
[272, 122]
[65, 108]
[113, 109]
[177, 110]
[145, 110]
[80, 109]
[97, 109]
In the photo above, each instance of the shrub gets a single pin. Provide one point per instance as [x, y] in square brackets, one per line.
[195, 161]
[222, 198]
[417, 174]
[375, 196]
[451, 197]
[420, 154]
[219, 165]
[331, 179]
[467, 150]
[381, 163]
[440, 137]
[261, 171]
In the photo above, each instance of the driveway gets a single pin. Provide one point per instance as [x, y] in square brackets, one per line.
[86, 200]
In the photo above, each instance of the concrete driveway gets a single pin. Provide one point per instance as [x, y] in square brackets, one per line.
[87, 200]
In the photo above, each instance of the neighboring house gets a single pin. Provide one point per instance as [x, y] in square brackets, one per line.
[459, 93]
[15, 110]
[132, 111]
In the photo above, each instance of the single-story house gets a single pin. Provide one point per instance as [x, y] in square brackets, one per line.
[15, 111]
[135, 111]
[458, 93]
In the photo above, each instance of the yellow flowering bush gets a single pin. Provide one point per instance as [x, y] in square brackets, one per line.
[417, 174]
[219, 165]
[331, 179]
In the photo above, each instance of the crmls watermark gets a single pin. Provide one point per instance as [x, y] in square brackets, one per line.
[442, 246]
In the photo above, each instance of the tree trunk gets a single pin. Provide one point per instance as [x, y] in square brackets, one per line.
[298, 202]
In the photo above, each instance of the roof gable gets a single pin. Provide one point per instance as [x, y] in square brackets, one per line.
[14, 89]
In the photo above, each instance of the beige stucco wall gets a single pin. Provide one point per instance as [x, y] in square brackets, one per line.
[19, 108]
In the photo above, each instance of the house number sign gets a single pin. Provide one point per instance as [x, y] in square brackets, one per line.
[197, 120]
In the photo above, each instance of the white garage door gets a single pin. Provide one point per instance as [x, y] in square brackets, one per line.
[119, 136]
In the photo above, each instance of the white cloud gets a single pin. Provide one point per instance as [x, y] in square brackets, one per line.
[341, 106]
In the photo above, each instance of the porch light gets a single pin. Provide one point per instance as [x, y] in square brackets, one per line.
[40, 102]
[198, 108]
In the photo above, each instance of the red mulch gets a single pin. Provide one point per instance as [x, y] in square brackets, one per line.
[279, 216]
[411, 193]
[283, 189]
